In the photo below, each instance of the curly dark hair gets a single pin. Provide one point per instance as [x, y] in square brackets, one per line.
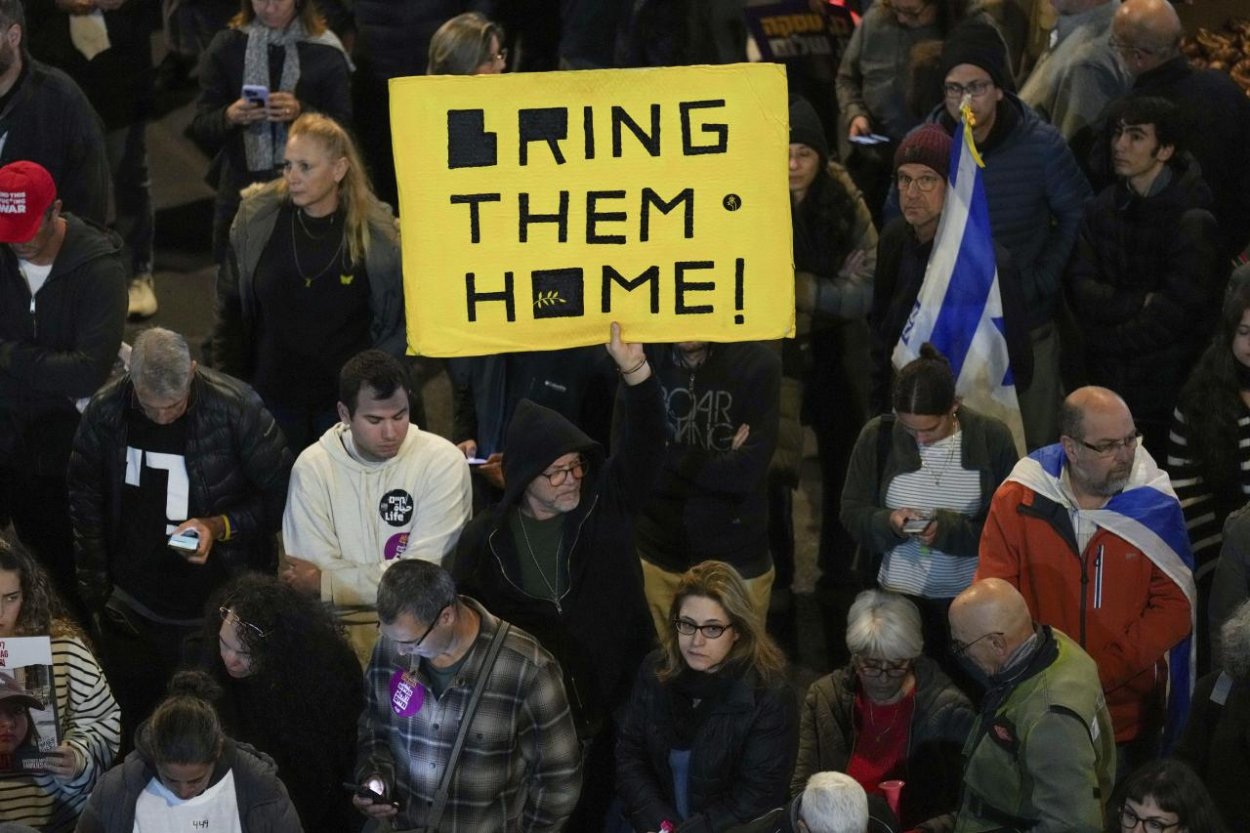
[295, 641]
[1175, 788]
[1211, 403]
[43, 612]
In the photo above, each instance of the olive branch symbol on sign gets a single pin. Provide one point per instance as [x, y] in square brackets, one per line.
[547, 299]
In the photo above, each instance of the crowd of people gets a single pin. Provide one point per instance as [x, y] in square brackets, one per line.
[275, 601]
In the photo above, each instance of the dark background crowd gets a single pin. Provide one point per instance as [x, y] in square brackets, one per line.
[797, 582]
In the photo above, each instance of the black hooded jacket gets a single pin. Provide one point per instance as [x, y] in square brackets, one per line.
[59, 346]
[600, 630]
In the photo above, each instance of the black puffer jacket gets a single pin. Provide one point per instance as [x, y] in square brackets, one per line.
[1143, 285]
[59, 348]
[940, 723]
[740, 758]
[237, 464]
[601, 629]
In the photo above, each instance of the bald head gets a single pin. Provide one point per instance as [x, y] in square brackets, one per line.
[990, 619]
[1148, 33]
[1084, 404]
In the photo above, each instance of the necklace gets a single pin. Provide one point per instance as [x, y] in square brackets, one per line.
[299, 215]
[308, 279]
[934, 472]
[555, 595]
[873, 731]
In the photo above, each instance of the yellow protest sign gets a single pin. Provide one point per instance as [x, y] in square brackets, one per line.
[537, 208]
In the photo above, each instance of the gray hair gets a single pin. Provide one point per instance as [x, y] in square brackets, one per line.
[462, 44]
[419, 588]
[834, 802]
[160, 363]
[885, 626]
[1235, 642]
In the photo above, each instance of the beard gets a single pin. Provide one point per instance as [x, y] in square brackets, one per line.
[1108, 485]
[8, 56]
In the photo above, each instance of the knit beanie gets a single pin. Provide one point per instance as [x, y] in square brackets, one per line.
[928, 145]
[806, 129]
[980, 44]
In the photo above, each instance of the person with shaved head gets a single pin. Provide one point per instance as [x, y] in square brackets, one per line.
[1041, 755]
[1215, 113]
[1091, 533]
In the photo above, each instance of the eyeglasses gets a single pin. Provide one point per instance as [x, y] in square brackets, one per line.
[415, 644]
[687, 628]
[1129, 821]
[1109, 447]
[906, 14]
[228, 615]
[925, 182]
[958, 649]
[1129, 50]
[578, 469]
[976, 89]
[880, 667]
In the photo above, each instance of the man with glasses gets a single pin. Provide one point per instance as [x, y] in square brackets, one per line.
[520, 765]
[1035, 193]
[921, 167]
[556, 555]
[1145, 281]
[1215, 113]
[1079, 73]
[1091, 533]
[1040, 757]
[372, 490]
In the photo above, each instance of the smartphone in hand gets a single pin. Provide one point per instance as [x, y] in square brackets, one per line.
[186, 541]
[256, 94]
[363, 791]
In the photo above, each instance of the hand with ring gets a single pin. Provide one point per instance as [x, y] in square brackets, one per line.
[283, 106]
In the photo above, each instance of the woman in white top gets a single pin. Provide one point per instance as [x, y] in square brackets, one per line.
[90, 721]
[918, 495]
[186, 776]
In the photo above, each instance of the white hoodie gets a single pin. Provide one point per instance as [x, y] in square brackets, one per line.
[353, 518]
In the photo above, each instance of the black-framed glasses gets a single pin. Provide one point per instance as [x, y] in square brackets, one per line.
[413, 645]
[578, 469]
[880, 667]
[906, 14]
[228, 615]
[1108, 447]
[958, 649]
[687, 628]
[976, 89]
[1151, 824]
[1133, 51]
[925, 182]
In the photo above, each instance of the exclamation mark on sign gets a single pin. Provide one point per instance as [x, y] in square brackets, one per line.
[739, 268]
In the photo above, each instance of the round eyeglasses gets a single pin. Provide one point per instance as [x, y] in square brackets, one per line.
[578, 469]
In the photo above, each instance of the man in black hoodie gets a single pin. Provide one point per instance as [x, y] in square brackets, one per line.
[62, 313]
[556, 556]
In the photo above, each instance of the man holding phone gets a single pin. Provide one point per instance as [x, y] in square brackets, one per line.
[168, 456]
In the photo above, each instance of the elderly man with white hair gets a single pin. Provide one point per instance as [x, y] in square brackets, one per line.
[891, 714]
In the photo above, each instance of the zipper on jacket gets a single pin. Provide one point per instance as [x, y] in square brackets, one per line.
[1098, 579]
[490, 542]
[1084, 593]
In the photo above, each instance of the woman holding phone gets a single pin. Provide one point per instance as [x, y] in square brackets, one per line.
[918, 493]
[276, 61]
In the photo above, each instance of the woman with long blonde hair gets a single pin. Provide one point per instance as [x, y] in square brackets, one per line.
[711, 732]
[312, 277]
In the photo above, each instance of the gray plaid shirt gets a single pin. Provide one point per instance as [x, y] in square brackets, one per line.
[520, 769]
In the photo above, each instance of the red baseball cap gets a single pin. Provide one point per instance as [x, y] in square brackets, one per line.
[26, 191]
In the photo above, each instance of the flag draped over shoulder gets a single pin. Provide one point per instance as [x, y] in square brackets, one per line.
[959, 309]
[1147, 514]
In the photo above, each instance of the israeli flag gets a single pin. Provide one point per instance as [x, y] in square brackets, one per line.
[959, 309]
